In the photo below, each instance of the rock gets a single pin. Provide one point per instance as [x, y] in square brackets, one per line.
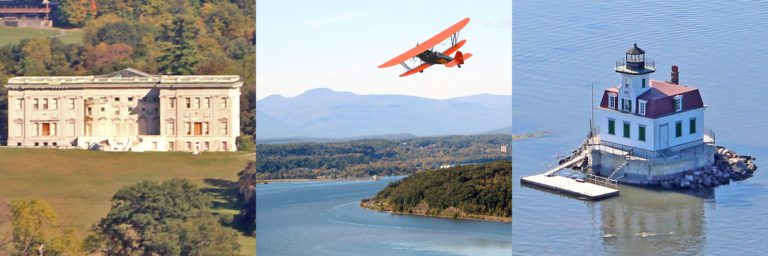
[685, 183]
[739, 167]
[706, 181]
[666, 184]
[689, 178]
[715, 183]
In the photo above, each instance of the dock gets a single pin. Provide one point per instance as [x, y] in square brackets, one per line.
[592, 188]
[581, 189]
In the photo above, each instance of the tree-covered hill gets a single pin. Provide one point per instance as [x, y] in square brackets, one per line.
[364, 158]
[482, 191]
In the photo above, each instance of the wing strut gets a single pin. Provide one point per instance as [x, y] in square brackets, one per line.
[405, 66]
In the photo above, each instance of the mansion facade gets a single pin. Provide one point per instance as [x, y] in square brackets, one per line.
[128, 110]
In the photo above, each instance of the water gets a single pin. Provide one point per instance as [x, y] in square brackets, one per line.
[561, 47]
[324, 218]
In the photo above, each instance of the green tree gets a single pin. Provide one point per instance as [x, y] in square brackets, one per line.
[35, 231]
[178, 41]
[246, 196]
[151, 218]
[245, 142]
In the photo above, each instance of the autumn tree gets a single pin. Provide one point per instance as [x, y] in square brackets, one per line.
[35, 231]
[104, 55]
[74, 13]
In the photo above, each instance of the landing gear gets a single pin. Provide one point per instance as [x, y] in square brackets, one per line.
[458, 66]
[421, 71]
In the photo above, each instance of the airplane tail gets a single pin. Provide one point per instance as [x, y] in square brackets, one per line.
[458, 59]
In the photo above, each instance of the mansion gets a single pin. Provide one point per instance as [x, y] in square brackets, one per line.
[128, 110]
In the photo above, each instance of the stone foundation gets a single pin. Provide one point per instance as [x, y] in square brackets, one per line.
[695, 167]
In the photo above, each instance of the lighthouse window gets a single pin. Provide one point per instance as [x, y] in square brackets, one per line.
[641, 107]
[643, 82]
[678, 129]
[626, 105]
[641, 132]
[611, 127]
[611, 102]
[626, 129]
[679, 103]
[692, 127]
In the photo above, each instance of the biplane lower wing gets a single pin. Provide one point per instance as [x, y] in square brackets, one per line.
[426, 45]
[415, 70]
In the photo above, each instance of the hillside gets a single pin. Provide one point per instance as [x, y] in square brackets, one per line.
[331, 114]
[364, 158]
[481, 191]
[80, 183]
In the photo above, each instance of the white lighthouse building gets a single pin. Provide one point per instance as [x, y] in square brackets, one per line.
[649, 114]
[648, 131]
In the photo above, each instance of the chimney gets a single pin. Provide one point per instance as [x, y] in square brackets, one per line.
[675, 75]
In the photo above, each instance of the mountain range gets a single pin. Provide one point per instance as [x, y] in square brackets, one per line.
[324, 113]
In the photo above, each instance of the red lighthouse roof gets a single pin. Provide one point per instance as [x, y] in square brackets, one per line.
[660, 98]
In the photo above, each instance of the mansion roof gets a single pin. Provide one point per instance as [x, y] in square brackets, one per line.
[126, 78]
[660, 98]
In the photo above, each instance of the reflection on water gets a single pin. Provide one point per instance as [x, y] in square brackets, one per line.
[324, 218]
[561, 47]
[642, 219]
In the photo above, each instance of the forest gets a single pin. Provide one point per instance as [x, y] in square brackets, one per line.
[481, 191]
[179, 37]
[365, 158]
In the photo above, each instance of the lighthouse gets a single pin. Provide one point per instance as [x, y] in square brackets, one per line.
[649, 130]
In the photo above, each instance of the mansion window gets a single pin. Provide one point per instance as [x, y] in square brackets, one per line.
[196, 128]
[171, 128]
[130, 99]
[641, 107]
[692, 126]
[171, 146]
[19, 103]
[611, 101]
[679, 103]
[197, 102]
[223, 127]
[45, 129]
[188, 102]
[641, 132]
[172, 103]
[54, 103]
[224, 102]
[224, 145]
[678, 129]
[71, 103]
[206, 103]
[35, 104]
[117, 99]
[626, 130]
[45, 103]
[207, 145]
[611, 127]
[189, 145]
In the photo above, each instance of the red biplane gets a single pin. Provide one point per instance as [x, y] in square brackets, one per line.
[428, 56]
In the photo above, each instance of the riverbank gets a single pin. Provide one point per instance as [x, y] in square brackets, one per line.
[450, 213]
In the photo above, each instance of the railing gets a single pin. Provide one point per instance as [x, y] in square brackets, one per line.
[683, 152]
[602, 181]
[650, 64]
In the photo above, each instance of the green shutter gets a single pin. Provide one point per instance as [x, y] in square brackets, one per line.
[641, 133]
[611, 127]
[678, 129]
[693, 126]
[626, 130]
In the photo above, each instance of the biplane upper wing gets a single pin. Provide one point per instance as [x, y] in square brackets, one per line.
[426, 45]
[454, 48]
[415, 70]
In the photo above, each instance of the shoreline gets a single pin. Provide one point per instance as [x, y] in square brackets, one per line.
[265, 182]
[368, 204]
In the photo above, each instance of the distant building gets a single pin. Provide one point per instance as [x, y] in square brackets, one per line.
[34, 14]
[503, 148]
[128, 110]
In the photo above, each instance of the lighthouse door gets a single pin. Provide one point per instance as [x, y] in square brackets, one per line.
[663, 136]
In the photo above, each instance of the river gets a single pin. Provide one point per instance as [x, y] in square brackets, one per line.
[560, 48]
[324, 218]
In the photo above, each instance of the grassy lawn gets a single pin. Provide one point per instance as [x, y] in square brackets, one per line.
[12, 35]
[79, 183]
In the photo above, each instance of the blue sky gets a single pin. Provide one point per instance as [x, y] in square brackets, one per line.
[339, 44]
